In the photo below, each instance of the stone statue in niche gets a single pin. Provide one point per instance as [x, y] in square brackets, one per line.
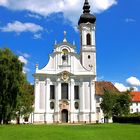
[64, 57]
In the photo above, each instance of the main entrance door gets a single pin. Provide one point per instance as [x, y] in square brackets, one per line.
[64, 116]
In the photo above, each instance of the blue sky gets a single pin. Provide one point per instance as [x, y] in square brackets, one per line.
[30, 27]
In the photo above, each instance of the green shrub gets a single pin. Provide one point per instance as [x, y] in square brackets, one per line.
[131, 118]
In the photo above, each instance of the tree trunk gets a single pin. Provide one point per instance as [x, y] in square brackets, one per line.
[5, 121]
[18, 120]
[0, 119]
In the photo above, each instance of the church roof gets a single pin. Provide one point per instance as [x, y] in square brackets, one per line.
[135, 96]
[86, 16]
[102, 86]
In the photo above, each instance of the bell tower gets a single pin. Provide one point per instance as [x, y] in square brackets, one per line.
[86, 25]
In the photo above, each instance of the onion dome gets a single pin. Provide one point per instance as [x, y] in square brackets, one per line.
[86, 16]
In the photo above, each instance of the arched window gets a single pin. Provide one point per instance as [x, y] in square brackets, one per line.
[65, 56]
[88, 39]
[76, 92]
[64, 91]
[52, 92]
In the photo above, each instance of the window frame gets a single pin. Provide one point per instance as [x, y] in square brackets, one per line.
[64, 91]
[76, 92]
[88, 39]
[52, 92]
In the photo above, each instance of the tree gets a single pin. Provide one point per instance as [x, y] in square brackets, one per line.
[116, 104]
[122, 104]
[12, 81]
[107, 104]
[24, 101]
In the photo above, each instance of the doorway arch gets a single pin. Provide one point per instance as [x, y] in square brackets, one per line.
[64, 116]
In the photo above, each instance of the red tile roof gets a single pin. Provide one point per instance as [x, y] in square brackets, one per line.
[102, 86]
[135, 96]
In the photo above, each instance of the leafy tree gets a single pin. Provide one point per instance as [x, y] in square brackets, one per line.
[116, 104]
[12, 81]
[122, 105]
[107, 104]
[24, 101]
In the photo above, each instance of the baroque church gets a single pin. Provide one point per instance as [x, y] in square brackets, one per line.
[66, 90]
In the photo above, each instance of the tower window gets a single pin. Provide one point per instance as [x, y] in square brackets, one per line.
[88, 39]
[76, 92]
[88, 56]
[52, 92]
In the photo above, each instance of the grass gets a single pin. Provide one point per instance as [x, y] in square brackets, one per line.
[70, 132]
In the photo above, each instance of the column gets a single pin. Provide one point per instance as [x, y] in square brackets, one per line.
[36, 90]
[57, 98]
[47, 98]
[92, 102]
[72, 100]
[37, 101]
[82, 103]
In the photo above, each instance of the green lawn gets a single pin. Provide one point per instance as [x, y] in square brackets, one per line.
[70, 132]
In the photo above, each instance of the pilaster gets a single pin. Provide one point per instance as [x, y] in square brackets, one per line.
[82, 102]
[72, 83]
[47, 97]
[92, 101]
[36, 90]
[57, 98]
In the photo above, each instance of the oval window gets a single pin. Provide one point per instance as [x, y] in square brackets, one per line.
[76, 105]
[51, 105]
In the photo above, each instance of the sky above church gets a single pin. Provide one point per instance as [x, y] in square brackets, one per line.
[31, 27]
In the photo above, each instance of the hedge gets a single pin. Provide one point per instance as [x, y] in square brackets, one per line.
[126, 119]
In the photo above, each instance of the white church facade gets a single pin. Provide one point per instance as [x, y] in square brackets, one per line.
[65, 89]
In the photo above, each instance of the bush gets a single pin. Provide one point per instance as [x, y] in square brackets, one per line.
[134, 118]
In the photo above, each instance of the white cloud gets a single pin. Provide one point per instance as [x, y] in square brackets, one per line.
[102, 5]
[26, 55]
[33, 16]
[23, 59]
[121, 87]
[25, 70]
[37, 36]
[19, 27]
[70, 8]
[130, 20]
[100, 77]
[3, 2]
[135, 88]
[133, 81]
